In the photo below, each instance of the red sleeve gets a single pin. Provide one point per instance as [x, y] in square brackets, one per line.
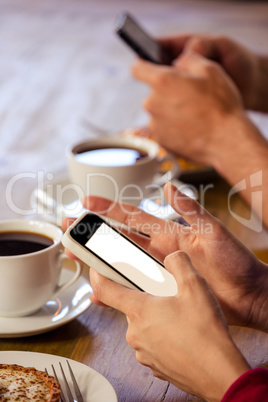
[251, 386]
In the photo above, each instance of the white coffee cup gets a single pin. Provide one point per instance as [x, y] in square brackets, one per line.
[124, 183]
[28, 281]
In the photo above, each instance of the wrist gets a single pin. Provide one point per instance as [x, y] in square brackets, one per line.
[256, 88]
[242, 160]
[259, 316]
[260, 98]
[229, 365]
[236, 366]
[243, 149]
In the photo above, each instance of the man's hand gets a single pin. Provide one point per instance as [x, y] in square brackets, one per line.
[193, 106]
[197, 112]
[248, 70]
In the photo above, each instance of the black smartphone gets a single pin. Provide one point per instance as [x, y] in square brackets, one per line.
[140, 41]
[100, 245]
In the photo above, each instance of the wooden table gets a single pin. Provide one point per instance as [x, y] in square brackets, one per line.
[59, 66]
[97, 337]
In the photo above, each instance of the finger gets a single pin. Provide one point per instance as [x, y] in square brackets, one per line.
[72, 256]
[180, 266]
[192, 283]
[215, 48]
[115, 295]
[142, 70]
[153, 74]
[126, 214]
[160, 110]
[189, 209]
[66, 222]
[205, 46]
[185, 274]
[175, 44]
[111, 209]
[193, 63]
[96, 301]
[143, 241]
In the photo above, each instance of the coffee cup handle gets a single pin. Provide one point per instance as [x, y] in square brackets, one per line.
[170, 174]
[74, 278]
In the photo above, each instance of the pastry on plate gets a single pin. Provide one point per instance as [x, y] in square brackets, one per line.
[21, 384]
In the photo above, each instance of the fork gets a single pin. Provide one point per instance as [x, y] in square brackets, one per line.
[67, 396]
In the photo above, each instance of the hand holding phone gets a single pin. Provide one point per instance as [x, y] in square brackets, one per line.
[112, 254]
[142, 43]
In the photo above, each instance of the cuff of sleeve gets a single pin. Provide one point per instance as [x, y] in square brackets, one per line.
[250, 386]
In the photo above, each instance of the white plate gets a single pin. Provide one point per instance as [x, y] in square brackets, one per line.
[93, 386]
[58, 198]
[68, 305]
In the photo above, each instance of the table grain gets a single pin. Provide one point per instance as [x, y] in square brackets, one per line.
[60, 66]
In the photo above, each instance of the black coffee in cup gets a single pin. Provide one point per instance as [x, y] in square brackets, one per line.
[110, 156]
[18, 243]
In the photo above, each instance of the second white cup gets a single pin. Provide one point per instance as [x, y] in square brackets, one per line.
[123, 169]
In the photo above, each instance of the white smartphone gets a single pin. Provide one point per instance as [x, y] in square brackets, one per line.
[104, 248]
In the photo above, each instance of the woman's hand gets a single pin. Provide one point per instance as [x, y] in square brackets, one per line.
[183, 339]
[238, 279]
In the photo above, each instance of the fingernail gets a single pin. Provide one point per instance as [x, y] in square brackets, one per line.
[171, 186]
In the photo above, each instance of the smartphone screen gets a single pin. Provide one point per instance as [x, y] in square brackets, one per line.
[121, 254]
[139, 40]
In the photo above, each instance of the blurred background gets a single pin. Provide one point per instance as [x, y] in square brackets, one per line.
[62, 68]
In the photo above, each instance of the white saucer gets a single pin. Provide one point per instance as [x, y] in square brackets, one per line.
[68, 305]
[93, 386]
[58, 198]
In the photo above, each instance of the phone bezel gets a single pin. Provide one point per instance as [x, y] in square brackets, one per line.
[120, 28]
[92, 222]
